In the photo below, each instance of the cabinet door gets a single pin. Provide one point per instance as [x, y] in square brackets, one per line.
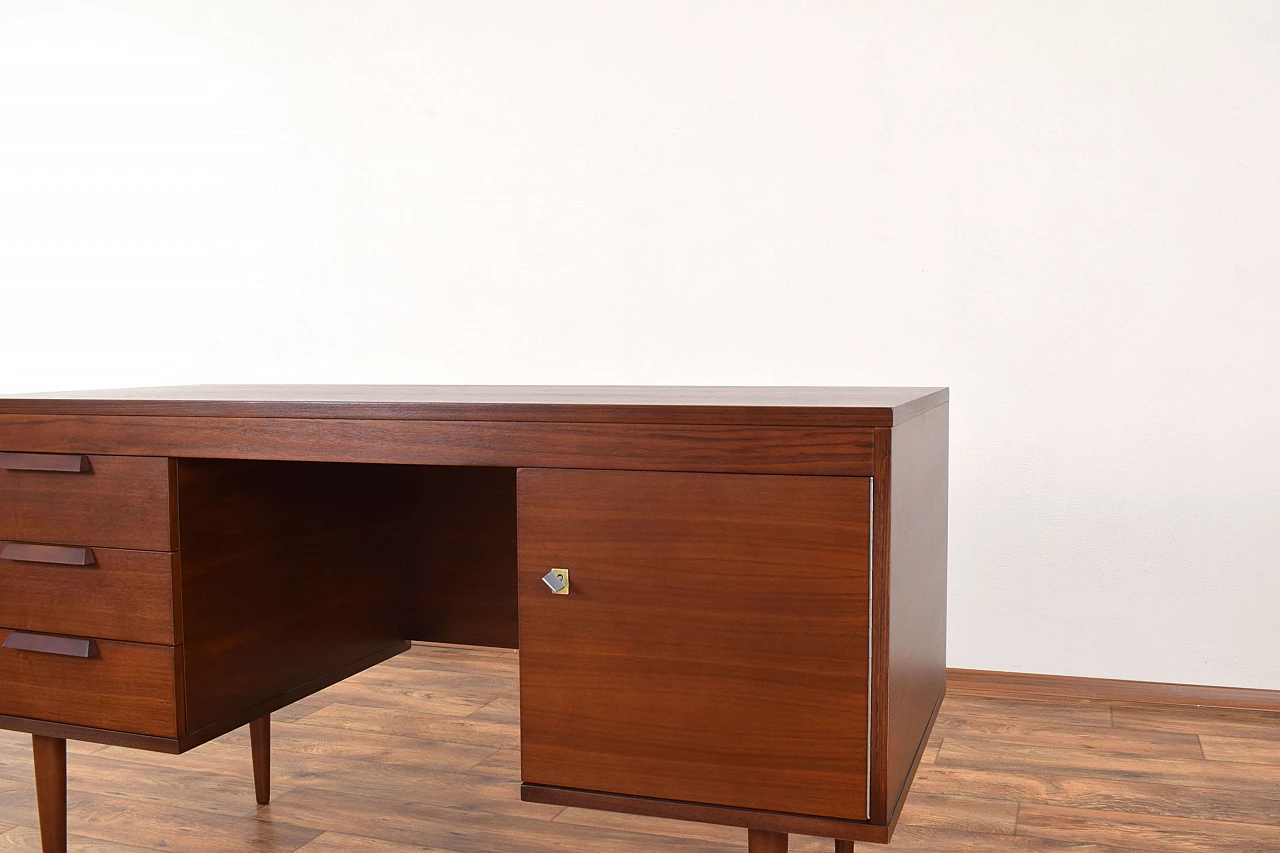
[713, 644]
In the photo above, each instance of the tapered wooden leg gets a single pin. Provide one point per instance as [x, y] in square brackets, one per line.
[843, 846]
[759, 841]
[51, 791]
[260, 741]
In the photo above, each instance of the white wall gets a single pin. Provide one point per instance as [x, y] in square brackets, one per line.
[1068, 212]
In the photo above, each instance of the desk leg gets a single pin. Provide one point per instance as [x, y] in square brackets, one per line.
[260, 741]
[51, 791]
[759, 841]
[843, 846]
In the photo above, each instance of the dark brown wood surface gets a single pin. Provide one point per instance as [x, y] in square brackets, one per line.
[760, 406]
[713, 647]
[767, 821]
[121, 595]
[422, 752]
[461, 582]
[127, 687]
[289, 571]
[260, 746]
[910, 578]
[694, 447]
[50, 758]
[122, 503]
[761, 841]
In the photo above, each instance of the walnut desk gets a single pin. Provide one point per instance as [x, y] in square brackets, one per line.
[730, 603]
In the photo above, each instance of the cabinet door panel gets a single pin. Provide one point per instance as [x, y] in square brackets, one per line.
[713, 646]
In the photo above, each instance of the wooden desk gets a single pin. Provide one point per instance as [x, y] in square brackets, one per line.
[751, 632]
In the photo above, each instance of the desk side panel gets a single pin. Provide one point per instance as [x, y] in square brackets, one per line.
[910, 585]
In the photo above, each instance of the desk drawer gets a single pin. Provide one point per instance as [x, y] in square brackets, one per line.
[99, 501]
[115, 595]
[127, 687]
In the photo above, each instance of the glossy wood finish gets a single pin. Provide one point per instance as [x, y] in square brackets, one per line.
[462, 584]
[844, 846]
[50, 756]
[183, 743]
[766, 821]
[422, 752]
[70, 647]
[289, 571]
[61, 555]
[714, 645]
[260, 745]
[910, 596]
[124, 502]
[119, 595]
[126, 687]
[692, 447]
[759, 406]
[760, 841]
[65, 463]
[361, 556]
[986, 683]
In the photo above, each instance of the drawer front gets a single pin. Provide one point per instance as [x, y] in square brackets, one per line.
[89, 592]
[712, 646]
[126, 687]
[114, 502]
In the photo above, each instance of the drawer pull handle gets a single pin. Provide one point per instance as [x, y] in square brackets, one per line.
[62, 555]
[67, 646]
[66, 463]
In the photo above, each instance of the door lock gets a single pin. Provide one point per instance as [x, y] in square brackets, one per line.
[557, 580]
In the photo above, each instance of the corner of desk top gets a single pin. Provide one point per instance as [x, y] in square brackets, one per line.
[930, 399]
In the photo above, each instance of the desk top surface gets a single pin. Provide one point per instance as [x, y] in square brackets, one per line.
[807, 406]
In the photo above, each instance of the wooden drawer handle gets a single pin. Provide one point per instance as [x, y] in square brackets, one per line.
[67, 646]
[62, 555]
[66, 463]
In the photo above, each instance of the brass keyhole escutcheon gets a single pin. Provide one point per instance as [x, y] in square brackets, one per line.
[557, 580]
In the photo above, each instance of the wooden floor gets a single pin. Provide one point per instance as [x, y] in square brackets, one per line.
[422, 753]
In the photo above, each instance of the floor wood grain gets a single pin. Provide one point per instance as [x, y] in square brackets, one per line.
[421, 755]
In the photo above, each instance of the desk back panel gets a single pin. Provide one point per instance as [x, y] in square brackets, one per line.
[462, 588]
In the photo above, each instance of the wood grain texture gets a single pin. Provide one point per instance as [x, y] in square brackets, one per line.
[462, 585]
[50, 757]
[405, 793]
[665, 447]
[713, 648]
[121, 595]
[123, 503]
[290, 571]
[974, 682]
[909, 645]
[762, 406]
[127, 687]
